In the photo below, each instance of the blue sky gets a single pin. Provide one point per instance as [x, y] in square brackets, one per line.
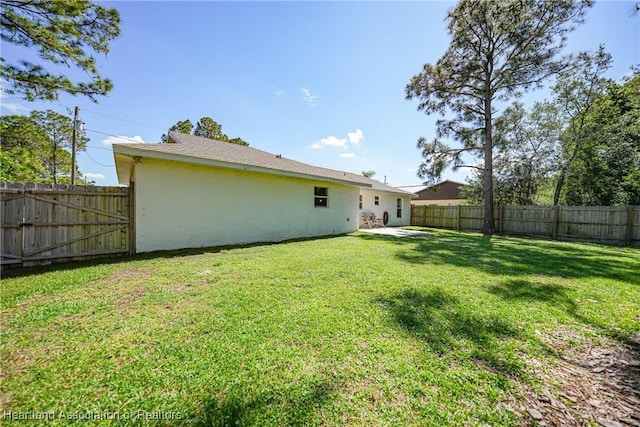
[318, 82]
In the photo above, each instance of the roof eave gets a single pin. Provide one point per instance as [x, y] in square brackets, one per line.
[135, 152]
[124, 167]
[399, 193]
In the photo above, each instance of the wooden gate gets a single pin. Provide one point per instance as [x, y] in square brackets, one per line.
[45, 222]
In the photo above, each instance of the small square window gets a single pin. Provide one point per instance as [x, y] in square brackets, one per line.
[321, 197]
[376, 201]
[398, 208]
[360, 201]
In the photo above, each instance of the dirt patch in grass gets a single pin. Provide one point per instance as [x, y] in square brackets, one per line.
[597, 383]
[126, 274]
[129, 296]
[124, 285]
[33, 300]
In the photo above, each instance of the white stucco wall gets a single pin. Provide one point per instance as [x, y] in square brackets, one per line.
[181, 205]
[387, 204]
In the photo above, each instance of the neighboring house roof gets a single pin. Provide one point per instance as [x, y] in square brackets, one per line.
[419, 188]
[449, 180]
[413, 188]
[197, 150]
[445, 190]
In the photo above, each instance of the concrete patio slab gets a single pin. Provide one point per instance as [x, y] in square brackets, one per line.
[394, 231]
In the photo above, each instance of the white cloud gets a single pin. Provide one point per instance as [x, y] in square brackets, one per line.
[310, 100]
[347, 155]
[92, 175]
[280, 92]
[123, 139]
[355, 137]
[15, 108]
[331, 141]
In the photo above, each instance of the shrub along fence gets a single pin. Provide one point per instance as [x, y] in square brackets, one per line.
[45, 222]
[607, 224]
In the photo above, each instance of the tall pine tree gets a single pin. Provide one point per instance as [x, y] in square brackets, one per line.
[498, 50]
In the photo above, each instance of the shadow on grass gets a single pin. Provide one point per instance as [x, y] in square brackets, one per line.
[528, 292]
[64, 265]
[525, 292]
[620, 373]
[446, 326]
[292, 406]
[516, 255]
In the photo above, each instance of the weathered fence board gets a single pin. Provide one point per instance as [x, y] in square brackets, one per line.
[46, 222]
[609, 224]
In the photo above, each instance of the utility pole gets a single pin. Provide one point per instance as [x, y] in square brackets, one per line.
[73, 146]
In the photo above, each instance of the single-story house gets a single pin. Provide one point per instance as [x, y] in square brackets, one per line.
[443, 193]
[195, 192]
[391, 204]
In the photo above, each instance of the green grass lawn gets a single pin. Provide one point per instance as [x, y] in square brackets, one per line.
[359, 330]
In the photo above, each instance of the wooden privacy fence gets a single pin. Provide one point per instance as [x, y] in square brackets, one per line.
[607, 224]
[45, 222]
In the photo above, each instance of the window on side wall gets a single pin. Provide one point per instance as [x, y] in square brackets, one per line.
[360, 201]
[399, 208]
[376, 201]
[321, 197]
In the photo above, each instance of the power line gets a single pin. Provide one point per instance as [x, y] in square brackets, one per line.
[98, 148]
[58, 104]
[96, 162]
[124, 120]
[115, 136]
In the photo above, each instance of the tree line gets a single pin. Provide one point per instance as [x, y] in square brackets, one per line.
[206, 127]
[580, 147]
[36, 147]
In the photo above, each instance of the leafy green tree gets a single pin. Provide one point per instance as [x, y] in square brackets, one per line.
[498, 50]
[575, 93]
[23, 145]
[63, 33]
[36, 147]
[606, 169]
[238, 141]
[59, 129]
[183, 126]
[209, 128]
[527, 156]
[369, 173]
[206, 127]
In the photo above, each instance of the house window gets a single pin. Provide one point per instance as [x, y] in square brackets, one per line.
[376, 201]
[321, 197]
[399, 208]
[360, 201]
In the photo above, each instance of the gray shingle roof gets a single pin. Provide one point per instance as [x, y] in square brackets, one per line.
[194, 149]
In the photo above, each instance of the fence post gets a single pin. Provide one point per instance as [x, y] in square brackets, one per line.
[554, 225]
[132, 218]
[424, 216]
[630, 216]
[501, 219]
[458, 217]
